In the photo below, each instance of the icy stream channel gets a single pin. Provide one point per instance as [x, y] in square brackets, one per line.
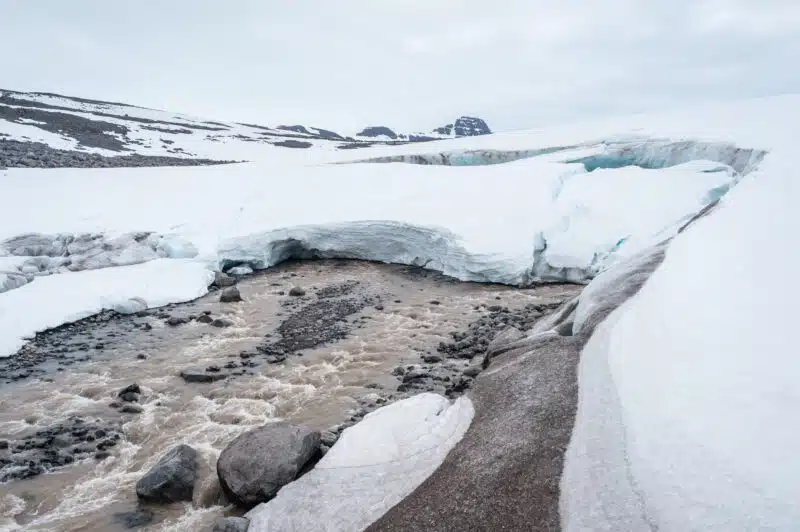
[410, 312]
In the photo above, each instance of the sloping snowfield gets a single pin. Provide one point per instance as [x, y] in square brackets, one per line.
[545, 217]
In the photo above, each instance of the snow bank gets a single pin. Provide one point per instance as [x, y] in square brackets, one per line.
[689, 390]
[372, 467]
[51, 301]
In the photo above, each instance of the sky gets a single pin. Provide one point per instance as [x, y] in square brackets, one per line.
[407, 64]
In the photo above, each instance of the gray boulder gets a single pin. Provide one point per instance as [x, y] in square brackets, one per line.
[230, 295]
[231, 524]
[258, 463]
[297, 291]
[199, 375]
[172, 478]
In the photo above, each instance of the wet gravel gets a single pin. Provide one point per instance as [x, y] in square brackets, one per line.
[63, 444]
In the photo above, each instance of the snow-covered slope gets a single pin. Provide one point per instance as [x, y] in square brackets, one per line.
[555, 205]
[689, 390]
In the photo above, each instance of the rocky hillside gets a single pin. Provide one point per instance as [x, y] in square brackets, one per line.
[45, 130]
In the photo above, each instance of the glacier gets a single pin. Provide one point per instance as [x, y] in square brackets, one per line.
[688, 389]
[548, 212]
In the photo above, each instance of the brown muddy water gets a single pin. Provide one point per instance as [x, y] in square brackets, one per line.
[406, 314]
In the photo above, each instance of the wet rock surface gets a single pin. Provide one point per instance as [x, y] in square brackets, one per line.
[172, 478]
[21, 154]
[54, 447]
[258, 463]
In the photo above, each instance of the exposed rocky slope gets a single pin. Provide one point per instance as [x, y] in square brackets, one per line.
[44, 130]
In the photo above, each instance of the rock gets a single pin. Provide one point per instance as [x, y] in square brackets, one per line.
[431, 359]
[231, 524]
[172, 478]
[198, 375]
[131, 409]
[130, 397]
[222, 322]
[213, 369]
[230, 295]
[204, 318]
[472, 371]
[258, 463]
[435, 302]
[223, 280]
[135, 519]
[240, 271]
[131, 388]
[174, 321]
[297, 291]
[141, 356]
[328, 438]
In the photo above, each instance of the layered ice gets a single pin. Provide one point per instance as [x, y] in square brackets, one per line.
[689, 390]
[372, 467]
[555, 214]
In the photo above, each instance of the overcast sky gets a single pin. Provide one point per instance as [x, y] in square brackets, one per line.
[409, 64]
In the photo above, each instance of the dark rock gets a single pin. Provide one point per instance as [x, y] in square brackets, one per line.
[135, 519]
[328, 438]
[131, 409]
[222, 322]
[435, 302]
[378, 307]
[213, 369]
[472, 371]
[172, 478]
[197, 375]
[231, 524]
[230, 295]
[205, 318]
[141, 356]
[174, 321]
[130, 397]
[131, 388]
[258, 463]
[297, 291]
[431, 359]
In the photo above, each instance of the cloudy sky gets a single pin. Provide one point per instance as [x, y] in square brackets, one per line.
[410, 64]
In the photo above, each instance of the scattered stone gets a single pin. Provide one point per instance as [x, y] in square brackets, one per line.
[436, 302]
[197, 375]
[431, 359]
[174, 321]
[326, 437]
[131, 409]
[204, 318]
[141, 356]
[130, 397]
[297, 291]
[222, 322]
[131, 388]
[136, 519]
[172, 478]
[213, 369]
[231, 524]
[472, 371]
[258, 463]
[230, 295]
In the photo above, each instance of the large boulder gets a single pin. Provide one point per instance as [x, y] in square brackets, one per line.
[258, 463]
[230, 295]
[172, 478]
